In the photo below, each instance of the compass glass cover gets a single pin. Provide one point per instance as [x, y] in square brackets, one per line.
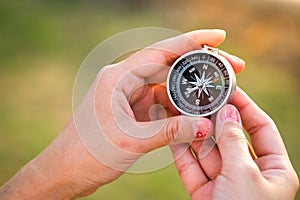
[199, 84]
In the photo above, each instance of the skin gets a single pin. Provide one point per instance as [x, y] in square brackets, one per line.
[229, 172]
[69, 167]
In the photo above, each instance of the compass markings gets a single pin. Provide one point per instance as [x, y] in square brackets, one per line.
[201, 85]
[192, 70]
[211, 98]
[219, 87]
[184, 81]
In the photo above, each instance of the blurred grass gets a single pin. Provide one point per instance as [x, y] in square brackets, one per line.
[42, 44]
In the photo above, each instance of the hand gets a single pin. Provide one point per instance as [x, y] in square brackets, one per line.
[228, 171]
[126, 96]
[115, 124]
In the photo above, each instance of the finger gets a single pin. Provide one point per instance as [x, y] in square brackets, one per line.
[237, 63]
[161, 97]
[175, 130]
[164, 53]
[188, 168]
[211, 163]
[141, 102]
[263, 133]
[231, 140]
[151, 99]
[156, 133]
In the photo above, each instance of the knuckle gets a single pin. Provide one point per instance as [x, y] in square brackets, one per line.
[171, 129]
[124, 144]
[107, 71]
[248, 171]
[252, 171]
[234, 134]
[104, 69]
[260, 125]
[186, 166]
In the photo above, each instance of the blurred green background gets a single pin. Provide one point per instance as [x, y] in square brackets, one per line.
[42, 44]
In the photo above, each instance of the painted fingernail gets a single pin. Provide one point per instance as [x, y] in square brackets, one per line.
[232, 115]
[202, 128]
[228, 114]
[199, 134]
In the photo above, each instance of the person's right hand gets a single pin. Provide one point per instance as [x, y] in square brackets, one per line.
[228, 171]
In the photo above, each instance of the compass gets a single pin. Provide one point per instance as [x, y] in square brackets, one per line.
[200, 82]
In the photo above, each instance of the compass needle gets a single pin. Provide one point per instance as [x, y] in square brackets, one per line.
[189, 90]
[199, 92]
[208, 79]
[194, 83]
[205, 90]
[203, 77]
[198, 79]
[210, 86]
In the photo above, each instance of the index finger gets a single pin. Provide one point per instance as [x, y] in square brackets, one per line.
[264, 135]
[165, 52]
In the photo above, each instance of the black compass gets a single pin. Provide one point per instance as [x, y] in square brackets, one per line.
[200, 82]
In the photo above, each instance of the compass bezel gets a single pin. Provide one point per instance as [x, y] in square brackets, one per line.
[231, 85]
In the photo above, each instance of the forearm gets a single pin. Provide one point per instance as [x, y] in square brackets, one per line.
[57, 173]
[45, 177]
[34, 182]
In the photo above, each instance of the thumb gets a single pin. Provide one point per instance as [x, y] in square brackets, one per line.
[180, 129]
[231, 141]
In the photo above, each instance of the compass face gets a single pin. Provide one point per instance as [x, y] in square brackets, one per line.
[200, 83]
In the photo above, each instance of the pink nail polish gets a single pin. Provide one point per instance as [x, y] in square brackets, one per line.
[232, 114]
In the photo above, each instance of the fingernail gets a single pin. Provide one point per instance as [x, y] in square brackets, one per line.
[227, 114]
[231, 114]
[199, 134]
[220, 30]
[202, 127]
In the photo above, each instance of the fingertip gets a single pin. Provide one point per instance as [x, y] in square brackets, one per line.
[191, 128]
[203, 128]
[228, 117]
[208, 31]
[211, 37]
[220, 31]
[231, 140]
[240, 99]
[237, 63]
[216, 31]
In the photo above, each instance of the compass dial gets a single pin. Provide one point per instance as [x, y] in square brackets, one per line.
[200, 83]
